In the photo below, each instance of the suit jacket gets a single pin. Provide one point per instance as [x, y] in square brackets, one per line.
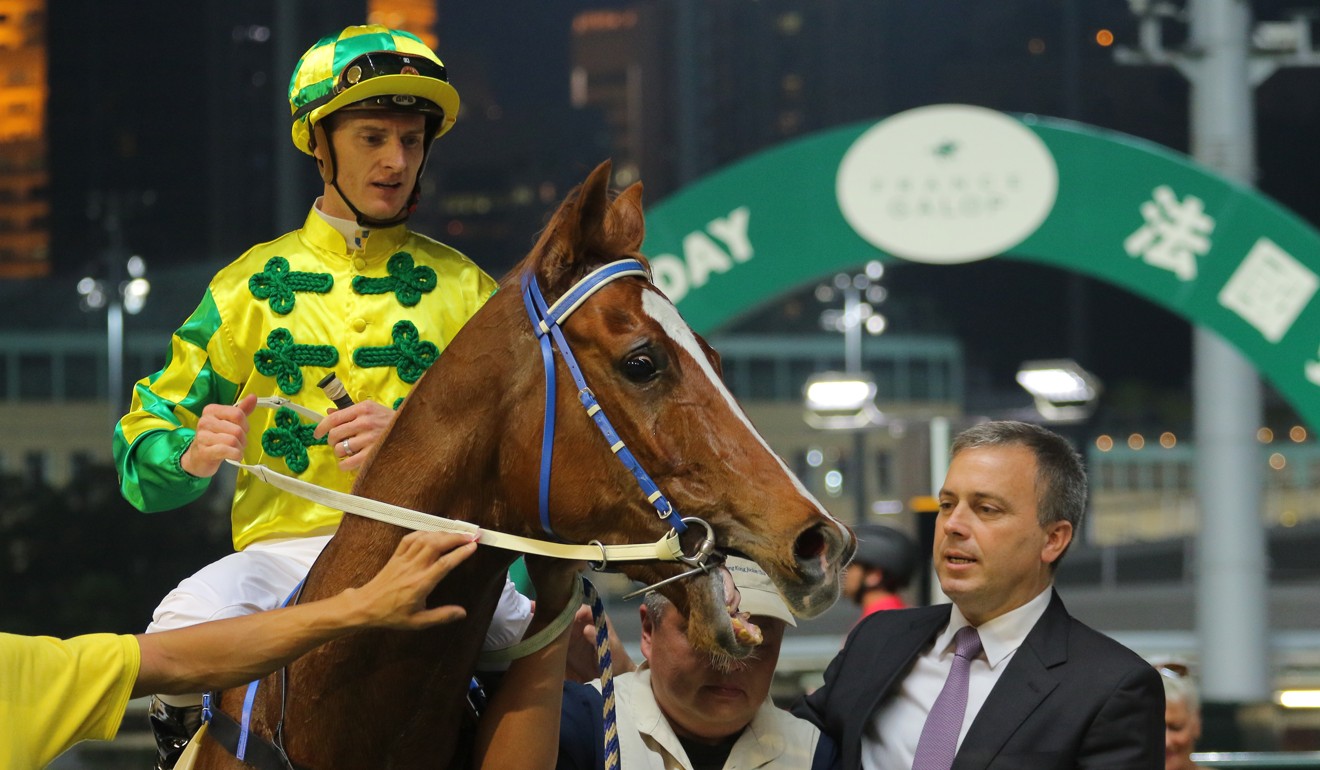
[1071, 697]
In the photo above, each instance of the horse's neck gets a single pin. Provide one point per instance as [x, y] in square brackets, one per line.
[396, 695]
[402, 693]
[442, 454]
[440, 460]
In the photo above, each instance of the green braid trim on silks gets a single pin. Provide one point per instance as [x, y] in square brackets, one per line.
[289, 438]
[410, 354]
[284, 358]
[277, 284]
[398, 402]
[408, 281]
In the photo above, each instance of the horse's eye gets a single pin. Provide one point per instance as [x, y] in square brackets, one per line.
[639, 367]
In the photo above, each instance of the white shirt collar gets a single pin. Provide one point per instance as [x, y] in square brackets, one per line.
[1001, 636]
[345, 227]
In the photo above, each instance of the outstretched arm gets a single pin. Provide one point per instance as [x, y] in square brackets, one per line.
[231, 652]
[520, 728]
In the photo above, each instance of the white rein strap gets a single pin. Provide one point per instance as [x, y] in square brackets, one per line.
[666, 548]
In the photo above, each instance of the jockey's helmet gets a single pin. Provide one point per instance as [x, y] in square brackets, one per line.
[369, 67]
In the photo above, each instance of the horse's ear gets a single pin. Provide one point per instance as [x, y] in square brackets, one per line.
[593, 205]
[577, 223]
[627, 225]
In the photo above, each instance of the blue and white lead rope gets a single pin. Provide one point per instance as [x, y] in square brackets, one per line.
[606, 666]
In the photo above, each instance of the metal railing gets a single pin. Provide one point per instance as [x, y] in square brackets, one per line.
[1257, 760]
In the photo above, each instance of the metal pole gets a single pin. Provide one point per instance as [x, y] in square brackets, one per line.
[114, 310]
[852, 329]
[1231, 572]
[939, 468]
[114, 328]
[852, 348]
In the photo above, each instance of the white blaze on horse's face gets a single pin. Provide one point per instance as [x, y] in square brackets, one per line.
[663, 312]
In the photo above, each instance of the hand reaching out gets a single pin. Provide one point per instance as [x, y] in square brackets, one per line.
[396, 596]
[582, 665]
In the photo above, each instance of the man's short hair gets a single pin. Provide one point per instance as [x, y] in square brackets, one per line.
[1060, 474]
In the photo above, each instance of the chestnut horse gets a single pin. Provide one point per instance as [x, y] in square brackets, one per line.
[467, 445]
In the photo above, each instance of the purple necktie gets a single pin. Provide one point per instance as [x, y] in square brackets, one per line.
[939, 738]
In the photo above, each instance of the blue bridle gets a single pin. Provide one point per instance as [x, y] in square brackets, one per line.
[546, 321]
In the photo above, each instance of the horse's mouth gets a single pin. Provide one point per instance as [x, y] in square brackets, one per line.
[745, 632]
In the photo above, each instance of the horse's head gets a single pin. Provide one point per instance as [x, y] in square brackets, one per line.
[660, 386]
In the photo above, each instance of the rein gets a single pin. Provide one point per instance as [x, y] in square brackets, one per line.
[598, 554]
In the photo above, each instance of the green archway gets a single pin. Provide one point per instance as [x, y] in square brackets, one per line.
[952, 183]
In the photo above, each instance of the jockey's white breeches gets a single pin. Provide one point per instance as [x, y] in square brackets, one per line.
[263, 575]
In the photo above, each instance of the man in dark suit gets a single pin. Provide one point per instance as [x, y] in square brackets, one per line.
[1006, 676]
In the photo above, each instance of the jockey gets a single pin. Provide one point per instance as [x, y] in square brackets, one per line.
[882, 566]
[352, 291]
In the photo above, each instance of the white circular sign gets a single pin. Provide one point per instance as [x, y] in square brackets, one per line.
[946, 184]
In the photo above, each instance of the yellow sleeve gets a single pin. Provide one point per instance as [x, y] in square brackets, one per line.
[59, 692]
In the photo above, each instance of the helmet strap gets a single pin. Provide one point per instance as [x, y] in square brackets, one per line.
[324, 165]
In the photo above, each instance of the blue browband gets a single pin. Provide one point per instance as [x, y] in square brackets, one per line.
[547, 321]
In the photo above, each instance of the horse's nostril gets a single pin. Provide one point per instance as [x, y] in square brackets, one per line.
[810, 544]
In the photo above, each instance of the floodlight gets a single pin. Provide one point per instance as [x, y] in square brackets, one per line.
[1062, 389]
[1299, 699]
[841, 401]
[135, 294]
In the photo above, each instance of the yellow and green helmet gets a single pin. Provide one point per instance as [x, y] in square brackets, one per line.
[373, 64]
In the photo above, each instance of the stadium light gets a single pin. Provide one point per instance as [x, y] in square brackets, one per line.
[1062, 389]
[841, 401]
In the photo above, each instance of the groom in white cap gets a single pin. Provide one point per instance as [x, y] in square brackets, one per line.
[681, 709]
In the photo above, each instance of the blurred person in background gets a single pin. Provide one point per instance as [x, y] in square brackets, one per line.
[1182, 716]
[883, 566]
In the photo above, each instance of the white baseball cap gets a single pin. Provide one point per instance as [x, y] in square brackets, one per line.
[759, 595]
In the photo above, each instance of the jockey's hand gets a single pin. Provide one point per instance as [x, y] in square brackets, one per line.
[221, 434]
[361, 425]
[396, 596]
[582, 665]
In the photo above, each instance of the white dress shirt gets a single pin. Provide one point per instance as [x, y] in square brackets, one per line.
[890, 739]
